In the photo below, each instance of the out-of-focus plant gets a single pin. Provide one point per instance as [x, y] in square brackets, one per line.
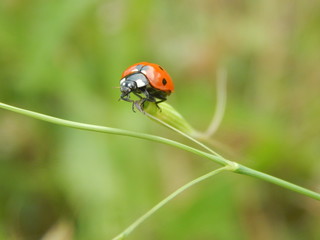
[169, 117]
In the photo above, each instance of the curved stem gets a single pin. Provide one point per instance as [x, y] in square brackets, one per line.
[140, 220]
[89, 127]
[182, 133]
[220, 160]
[220, 107]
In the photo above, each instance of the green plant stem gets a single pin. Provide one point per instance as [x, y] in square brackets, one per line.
[89, 127]
[220, 107]
[280, 182]
[183, 134]
[220, 160]
[140, 220]
[242, 169]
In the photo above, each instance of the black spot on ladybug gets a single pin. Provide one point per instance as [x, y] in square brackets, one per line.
[161, 68]
[164, 81]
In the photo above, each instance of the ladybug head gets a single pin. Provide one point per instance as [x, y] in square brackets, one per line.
[127, 87]
[132, 83]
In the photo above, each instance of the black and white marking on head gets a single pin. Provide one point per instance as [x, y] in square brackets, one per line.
[138, 78]
[122, 80]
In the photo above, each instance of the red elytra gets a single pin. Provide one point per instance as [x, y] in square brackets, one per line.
[156, 75]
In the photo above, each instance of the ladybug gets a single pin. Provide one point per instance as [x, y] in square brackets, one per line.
[148, 81]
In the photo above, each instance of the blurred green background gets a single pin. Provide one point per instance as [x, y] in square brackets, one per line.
[64, 58]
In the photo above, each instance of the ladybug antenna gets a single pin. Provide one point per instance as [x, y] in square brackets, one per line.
[116, 87]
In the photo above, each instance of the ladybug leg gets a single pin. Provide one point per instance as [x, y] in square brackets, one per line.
[151, 98]
[147, 98]
[137, 95]
[143, 100]
[127, 98]
[140, 102]
[160, 101]
[160, 96]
